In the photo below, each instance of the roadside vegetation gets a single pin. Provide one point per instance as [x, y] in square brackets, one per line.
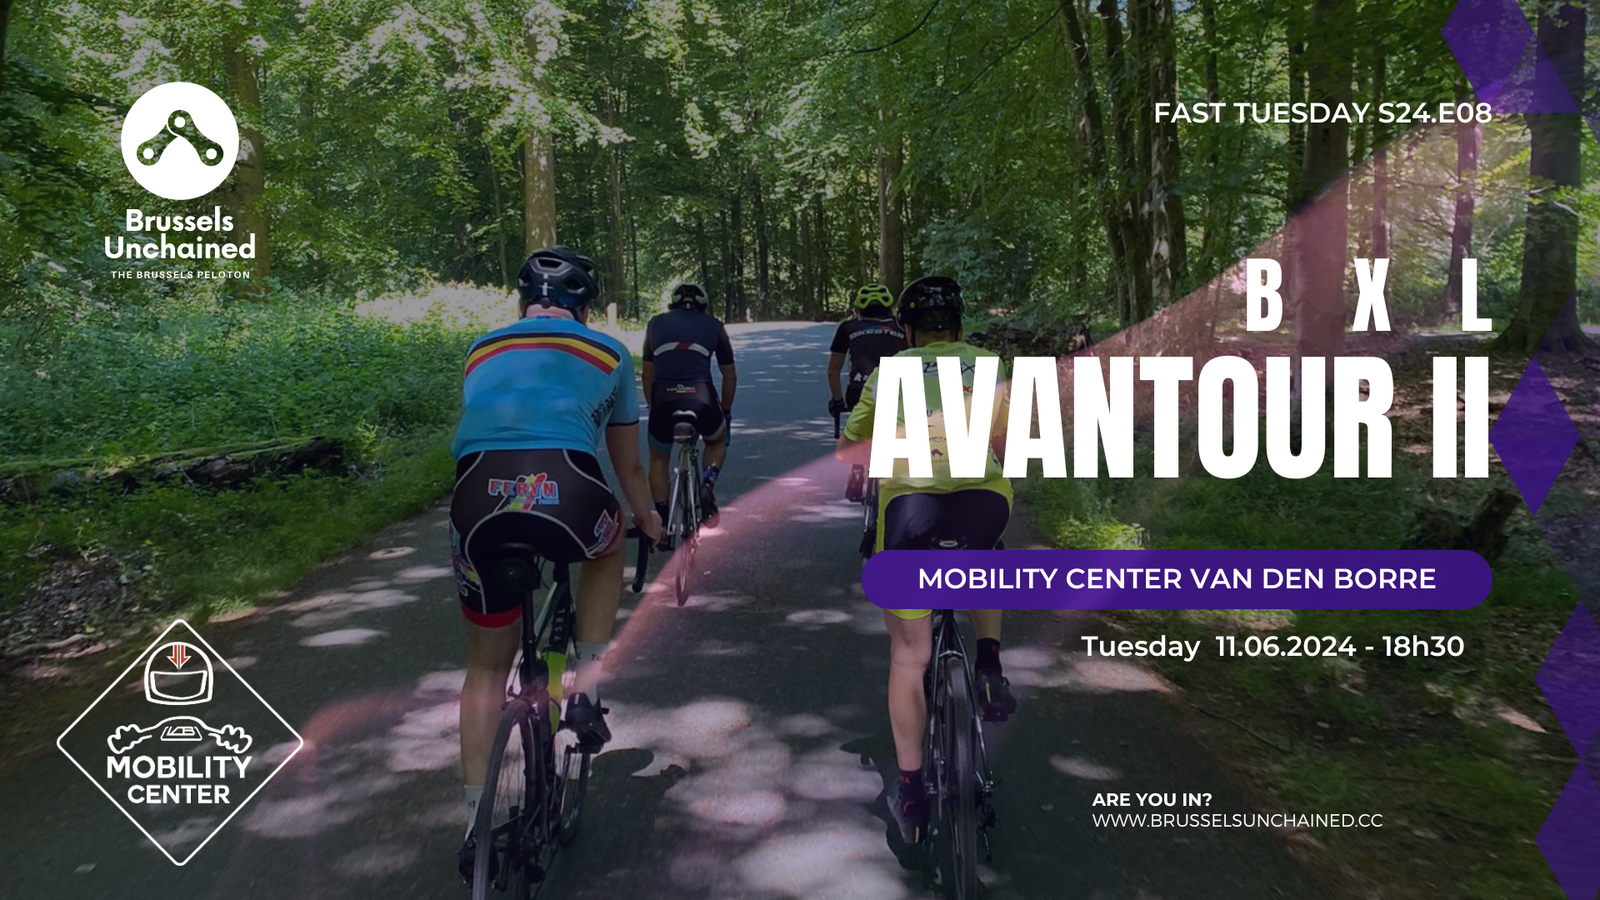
[208, 379]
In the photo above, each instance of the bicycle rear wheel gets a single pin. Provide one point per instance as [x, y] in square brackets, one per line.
[958, 794]
[688, 526]
[508, 821]
[574, 785]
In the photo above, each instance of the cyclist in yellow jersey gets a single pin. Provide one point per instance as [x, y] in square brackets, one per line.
[941, 512]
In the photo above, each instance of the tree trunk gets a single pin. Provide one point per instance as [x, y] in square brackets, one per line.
[1169, 250]
[741, 296]
[702, 251]
[891, 209]
[499, 218]
[1468, 136]
[250, 171]
[616, 224]
[1380, 155]
[727, 264]
[538, 192]
[1294, 28]
[1547, 314]
[1127, 177]
[5, 18]
[1091, 132]
[1219, 204]
[1321, 226]
[763, 254]
[819, 249]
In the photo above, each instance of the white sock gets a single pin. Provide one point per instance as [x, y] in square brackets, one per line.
[473, 793]
[590, 658]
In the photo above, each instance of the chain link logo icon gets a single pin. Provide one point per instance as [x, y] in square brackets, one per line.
[180, 141]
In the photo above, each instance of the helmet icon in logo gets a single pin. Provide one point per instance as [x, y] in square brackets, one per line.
[180, 140]
[178, 674]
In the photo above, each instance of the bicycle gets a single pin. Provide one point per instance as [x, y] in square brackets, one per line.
[955, 763]
[533, 794]
[685, 509]
[869, 506]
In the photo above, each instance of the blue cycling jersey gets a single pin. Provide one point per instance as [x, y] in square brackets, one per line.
[544, 383]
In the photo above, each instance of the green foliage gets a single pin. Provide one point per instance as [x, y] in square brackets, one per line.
[205, 371]
[202, 371]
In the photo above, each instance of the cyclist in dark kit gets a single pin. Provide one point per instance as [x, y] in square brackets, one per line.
[865, 339]
[679, 345]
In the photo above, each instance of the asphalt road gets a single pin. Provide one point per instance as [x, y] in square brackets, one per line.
[751, 742]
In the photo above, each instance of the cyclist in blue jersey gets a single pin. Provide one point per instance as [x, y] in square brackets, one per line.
[536, 399]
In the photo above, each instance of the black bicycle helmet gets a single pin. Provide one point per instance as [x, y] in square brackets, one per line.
[688, 294]
[932, 303]
[558, 277]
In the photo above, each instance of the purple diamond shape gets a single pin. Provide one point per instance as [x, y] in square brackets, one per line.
[1570, 679]
[1488, 15]
[1534, 436]
[1487, 57]
[1534, 86]
[1487, 38]
[1570, 838]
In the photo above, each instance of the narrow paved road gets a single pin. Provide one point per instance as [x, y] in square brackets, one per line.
[751, 746]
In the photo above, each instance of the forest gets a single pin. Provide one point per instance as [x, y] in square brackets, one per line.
[399, 158]
[781, 153]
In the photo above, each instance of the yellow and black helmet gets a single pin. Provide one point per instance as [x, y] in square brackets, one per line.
[874, 294]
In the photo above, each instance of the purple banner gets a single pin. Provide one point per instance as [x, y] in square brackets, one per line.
[1177, 579]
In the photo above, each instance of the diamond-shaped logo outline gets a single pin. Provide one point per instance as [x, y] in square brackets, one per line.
[300, 742]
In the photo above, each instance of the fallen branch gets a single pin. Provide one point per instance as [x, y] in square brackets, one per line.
[1243, 727]
[218, 468]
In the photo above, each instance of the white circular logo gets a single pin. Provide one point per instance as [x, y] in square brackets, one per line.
[180, 141]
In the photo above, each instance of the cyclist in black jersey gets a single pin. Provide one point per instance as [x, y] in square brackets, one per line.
[872, 335]
[679, 345]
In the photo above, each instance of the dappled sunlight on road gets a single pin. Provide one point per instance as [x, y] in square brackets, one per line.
[1088, 770]
[343, 637]
[771, 805]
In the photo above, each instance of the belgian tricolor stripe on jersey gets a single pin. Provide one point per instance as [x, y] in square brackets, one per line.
[590, 351]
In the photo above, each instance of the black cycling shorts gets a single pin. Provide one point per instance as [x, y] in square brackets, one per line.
[961, 520]
[554, 500]
[667, 398]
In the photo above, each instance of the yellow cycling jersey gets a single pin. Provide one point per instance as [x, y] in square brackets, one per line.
[859, 427]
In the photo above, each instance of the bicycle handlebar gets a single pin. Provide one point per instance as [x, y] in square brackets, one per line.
[643, 559]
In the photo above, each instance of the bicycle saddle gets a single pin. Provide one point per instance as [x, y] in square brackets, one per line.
[516, 568]
[683, 426]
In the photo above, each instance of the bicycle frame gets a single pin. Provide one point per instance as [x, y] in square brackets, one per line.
[538, 670]
[869, 518]
[948, 645]
[685, 495]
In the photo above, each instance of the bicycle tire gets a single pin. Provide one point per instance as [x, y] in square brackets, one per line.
[689, 528]
[574, 787]
[959, 796]
[510, 791]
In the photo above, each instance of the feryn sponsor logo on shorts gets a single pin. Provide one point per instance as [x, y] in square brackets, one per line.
[527, 491]
[179, 742]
